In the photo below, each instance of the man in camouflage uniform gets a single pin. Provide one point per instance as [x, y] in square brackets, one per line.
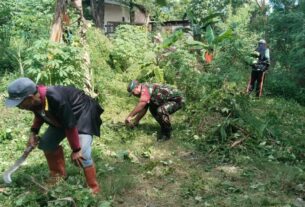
[162, 100]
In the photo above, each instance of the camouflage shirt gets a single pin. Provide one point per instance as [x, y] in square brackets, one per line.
[161, 93]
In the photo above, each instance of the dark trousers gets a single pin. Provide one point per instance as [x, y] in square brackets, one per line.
[161, 113]
[258, 78]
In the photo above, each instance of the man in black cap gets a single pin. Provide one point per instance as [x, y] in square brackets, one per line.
[162, 100]
[70, 113]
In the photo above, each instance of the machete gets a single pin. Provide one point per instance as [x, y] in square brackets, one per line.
[7, 174]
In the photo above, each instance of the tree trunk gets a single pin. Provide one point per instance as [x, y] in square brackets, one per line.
[57, 32]
[262, 6]
[131, 12]
[57, 28]
[78, 5]
[98, 12]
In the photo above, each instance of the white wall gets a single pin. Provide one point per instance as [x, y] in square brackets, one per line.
[115, 13]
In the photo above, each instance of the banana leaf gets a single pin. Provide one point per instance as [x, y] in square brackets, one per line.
[228, 34]
[172, 39]
[209, 35]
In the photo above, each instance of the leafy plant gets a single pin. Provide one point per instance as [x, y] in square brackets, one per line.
[100, 48]
[54, 63]
[21, 23]
[130, 44]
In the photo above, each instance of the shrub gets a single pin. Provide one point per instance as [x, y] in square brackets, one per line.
[54, 63]
[281, 83]
[130, 44]
[100, 48]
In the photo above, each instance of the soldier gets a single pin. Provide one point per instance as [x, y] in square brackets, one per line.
[162, 100]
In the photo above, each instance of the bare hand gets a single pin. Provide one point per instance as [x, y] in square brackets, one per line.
[33, 140]
[77, 158]
[128, 120]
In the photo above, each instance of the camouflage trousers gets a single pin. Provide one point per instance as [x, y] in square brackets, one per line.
[161, 113]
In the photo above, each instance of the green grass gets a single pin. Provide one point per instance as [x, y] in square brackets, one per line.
[135, 170]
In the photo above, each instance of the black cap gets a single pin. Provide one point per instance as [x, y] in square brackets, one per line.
[18, 90]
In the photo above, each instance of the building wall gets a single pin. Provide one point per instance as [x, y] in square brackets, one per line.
[115, 13]
[140, 17]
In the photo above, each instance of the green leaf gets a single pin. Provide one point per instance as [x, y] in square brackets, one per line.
[172, 39]
[209, 35]
[105, 204]
[161, 2]
[223, 36]
[38, 77]
[159, 74]
[223, 133]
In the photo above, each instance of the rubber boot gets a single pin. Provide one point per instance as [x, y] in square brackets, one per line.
[90, 174]
[56, 163]
[165, 134]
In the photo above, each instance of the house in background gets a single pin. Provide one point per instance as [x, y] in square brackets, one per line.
[173, 25]
[116, 13]
[169, 26]
[111, 13]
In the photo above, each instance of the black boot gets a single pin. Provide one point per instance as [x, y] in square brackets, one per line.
[165, 134]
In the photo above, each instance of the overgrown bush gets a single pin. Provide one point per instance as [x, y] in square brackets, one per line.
[281, 83]
[286, 27]
[100, 48]
[130, 45]
[21, 23]
[55, 63]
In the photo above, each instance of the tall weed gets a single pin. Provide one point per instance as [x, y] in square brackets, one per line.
[54, 63]
[100, 48]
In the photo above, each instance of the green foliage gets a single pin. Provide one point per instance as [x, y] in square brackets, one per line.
[253, 138]
[5, 34]
[234, 53]
[169, 41]
[32, 19]
[21, 23]
[133, 52]
[54, 63]
[281, 83]
[179, 64]
[287, 51]
[203, 14]
[201, 9]
[129, 45]
[100, 49]
[146, 73]
[5, 135]
[163, 10]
